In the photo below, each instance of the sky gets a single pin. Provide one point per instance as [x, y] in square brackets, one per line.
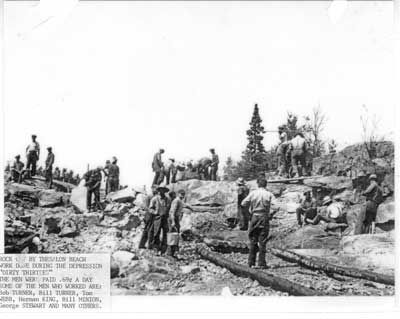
[103, 79]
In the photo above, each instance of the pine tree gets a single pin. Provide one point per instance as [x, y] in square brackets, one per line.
[255, 135]
[253, 161]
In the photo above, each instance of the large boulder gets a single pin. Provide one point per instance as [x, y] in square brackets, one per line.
[122, 259]
[309, 237]
[52, 198]
[331, 183]
[22, 192]
[355, 215]
[374, 252]
[78, 198]
[125, 195]
[385, 217]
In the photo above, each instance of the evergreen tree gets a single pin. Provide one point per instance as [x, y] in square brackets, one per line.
[255, 134]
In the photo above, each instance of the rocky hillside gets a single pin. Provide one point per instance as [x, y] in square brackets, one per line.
[55, 221]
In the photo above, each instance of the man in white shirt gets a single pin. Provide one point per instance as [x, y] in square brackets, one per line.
[32, 155]
[259, 202]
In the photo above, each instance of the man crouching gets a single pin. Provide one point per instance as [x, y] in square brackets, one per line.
[259, 203]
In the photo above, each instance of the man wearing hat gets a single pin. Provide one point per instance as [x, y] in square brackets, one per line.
[158, 167]
[242, 212]
[17, 170]
[49, 167]
[159, 207]
[113, 175]
[374, 199]
[307, 208]
[32, 154]
[214, 165]
[298, 147]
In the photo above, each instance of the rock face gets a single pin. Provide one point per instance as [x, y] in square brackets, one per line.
[51, 198]
[78, 198]
[375, 252]
[385, 217]
[125, 195]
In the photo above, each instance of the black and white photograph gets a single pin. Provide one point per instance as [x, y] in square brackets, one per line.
[209, 148]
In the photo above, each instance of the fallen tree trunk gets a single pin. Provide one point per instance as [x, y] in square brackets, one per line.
[291, 180]
[319, 264]
[262, 277]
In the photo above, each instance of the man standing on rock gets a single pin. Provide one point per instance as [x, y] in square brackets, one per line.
[374, 199]
[171, 171]
[57, 174]
[298, 147]
[214, 165]
[113, 176]
[49, 167]
[92, 182]
[242, 212]
[282, 153]
[159, 207]
[259, 202]
[175, 216]
[158, 167]
[32, 155]
[307, 208]
[17, 170]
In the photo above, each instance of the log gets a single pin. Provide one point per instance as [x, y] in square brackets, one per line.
[319, 264]
[291, 180]
[264, 278]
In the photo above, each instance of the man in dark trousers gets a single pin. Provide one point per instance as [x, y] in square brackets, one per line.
[259, 202]
[374, 199]
[242, 212]
[158, 167]
[298, 147]
[307, 208]
[105, 171]
[17, 170]
[148, 223]
[159, 207]
[92, 182]
[49, 167]
[113, 176]
[32, 155]
[214, 165]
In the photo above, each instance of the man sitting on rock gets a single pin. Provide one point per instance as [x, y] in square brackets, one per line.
[307, 209]
[374, 199]
[332, 214]
[17, 170]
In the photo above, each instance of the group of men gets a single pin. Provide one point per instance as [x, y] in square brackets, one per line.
[18, 170]
[291, 154]
[206, 168]
[66, 176]
[331, 211]
[162, 218]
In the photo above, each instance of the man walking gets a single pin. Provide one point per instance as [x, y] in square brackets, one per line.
[374, 199]
[158, 167]
[242, 212]
[159, 207]
[32, 154]
[92, 182]
[259, 202]
[298, 147]
[214, 165]
[113, 175]
[49, 167]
